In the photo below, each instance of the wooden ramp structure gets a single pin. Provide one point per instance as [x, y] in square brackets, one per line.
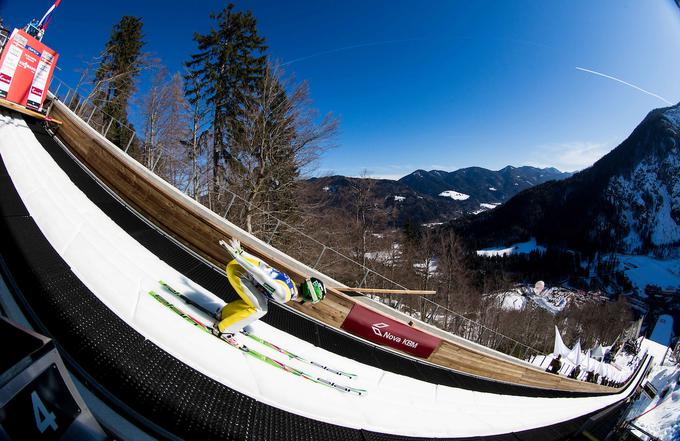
[200, 230]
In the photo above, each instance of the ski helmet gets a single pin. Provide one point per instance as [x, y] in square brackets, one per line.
[313, 290]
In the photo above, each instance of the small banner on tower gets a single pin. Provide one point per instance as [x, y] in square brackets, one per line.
[384, 331]
[26, 69]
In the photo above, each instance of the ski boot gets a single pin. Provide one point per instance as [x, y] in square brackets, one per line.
[226, 336]
[215, 330]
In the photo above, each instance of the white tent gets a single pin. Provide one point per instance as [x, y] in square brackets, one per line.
[606, 370]
[575, 354]
[560, 348]
[587, 364]
[598, 352]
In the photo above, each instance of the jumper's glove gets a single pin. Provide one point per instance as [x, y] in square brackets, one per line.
[234, 247]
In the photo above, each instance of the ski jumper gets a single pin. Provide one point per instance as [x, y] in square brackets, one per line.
[256, 283]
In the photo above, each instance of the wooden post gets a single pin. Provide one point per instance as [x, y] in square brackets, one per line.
[233, 196]
[108, 127]
[365, 276]
[129, 142]
[271, 237]
[323, 250]
[94, 109]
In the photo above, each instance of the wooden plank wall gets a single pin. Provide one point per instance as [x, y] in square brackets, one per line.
[201, 230]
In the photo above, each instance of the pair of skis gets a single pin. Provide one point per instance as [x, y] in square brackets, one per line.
[258, 355]
[252, 336]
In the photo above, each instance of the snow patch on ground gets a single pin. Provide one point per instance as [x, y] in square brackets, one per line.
[384, 256]
[513, 301]
[432, 224]
[646, 270]
[663, 330]
[553, 299]
[489, 206]
[485, 207]
[326, 188]
[456, 196]
[399, 198]
[667, 230]
[518, 248]
[492, 189]
[431, 267]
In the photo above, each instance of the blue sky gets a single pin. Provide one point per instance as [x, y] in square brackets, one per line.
[433, 85]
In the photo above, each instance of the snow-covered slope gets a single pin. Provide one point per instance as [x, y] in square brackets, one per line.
[453, 194]
[518, 248]
[552, 299]
[646, 270]
[483, 185]
[663, 330]
[648, 198]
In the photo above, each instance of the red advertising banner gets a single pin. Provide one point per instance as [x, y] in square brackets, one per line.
[26, 68]
[385, 331]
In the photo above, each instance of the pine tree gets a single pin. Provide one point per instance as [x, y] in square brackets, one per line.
[116, 75]
[229, 64]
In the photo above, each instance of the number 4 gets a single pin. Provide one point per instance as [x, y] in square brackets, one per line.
[43, 418]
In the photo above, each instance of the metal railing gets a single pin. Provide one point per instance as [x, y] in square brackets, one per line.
[327, 258]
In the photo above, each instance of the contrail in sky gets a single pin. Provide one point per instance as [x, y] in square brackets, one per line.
[627, 84]
[347, 48]
[405, 40]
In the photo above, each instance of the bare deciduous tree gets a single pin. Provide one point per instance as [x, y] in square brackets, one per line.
[275, 137]
[366, 216]
[198, 140]
[165, 124]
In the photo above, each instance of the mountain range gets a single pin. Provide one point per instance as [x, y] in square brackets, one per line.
[480, 184]
[429, 196]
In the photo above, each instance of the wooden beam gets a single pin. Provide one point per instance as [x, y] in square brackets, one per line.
[21, 109]
[386, 291]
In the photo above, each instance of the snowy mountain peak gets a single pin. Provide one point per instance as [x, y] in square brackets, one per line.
[673, 115]
[480, 184]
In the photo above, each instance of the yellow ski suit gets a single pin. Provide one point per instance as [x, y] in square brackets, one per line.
[256, 283]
